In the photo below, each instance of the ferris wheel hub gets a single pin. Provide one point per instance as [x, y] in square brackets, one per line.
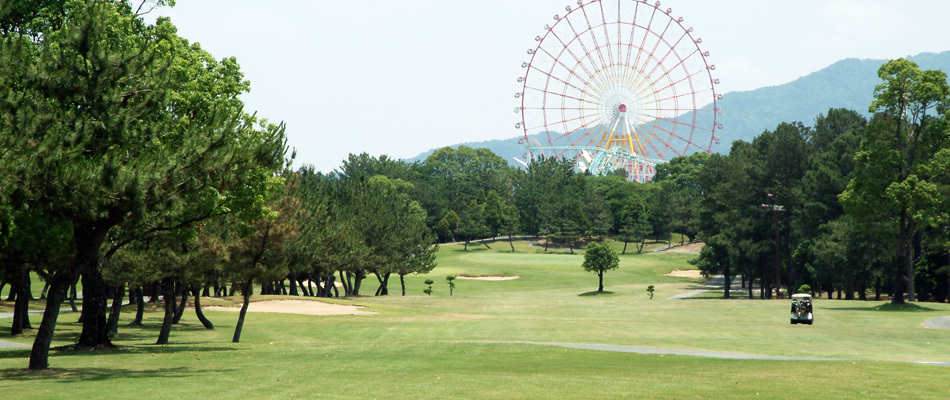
[622, 108]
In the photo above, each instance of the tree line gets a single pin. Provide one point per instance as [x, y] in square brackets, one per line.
[849, 206]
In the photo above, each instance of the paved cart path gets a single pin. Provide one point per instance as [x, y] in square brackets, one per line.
[694, 353]
[717, 282]
[11, 345]
[658, 350]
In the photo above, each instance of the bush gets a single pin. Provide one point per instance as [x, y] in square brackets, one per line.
[805, 288]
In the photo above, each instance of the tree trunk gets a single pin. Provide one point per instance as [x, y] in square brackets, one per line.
[39, 355]
[169, 297]
[360, 275]
[897, 289]
[293, 285]
[402, 282]
[21, 309]
[877, 289]
[383, 289]
[726, 273]
[246, 291]
[115, 310]
[601, 276]
[139, 306]
[180, 311]
[95, 329]
[751, 280]
[201, 315]
[345, 280]
[510, 243]
[624, 247]
[72, 298]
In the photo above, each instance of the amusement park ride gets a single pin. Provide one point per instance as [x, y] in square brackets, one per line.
[617, 84]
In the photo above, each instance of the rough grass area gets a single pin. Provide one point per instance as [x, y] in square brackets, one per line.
[443, 346]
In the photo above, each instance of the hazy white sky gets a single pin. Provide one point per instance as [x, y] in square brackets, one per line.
[402, 77]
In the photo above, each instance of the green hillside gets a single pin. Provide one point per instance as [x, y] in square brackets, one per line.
[847, 84]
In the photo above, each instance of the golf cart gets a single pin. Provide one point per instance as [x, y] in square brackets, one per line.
[801, 309]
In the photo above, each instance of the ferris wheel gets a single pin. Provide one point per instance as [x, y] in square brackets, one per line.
[617, 84]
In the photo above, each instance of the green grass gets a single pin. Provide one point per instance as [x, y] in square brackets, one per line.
[443, 346]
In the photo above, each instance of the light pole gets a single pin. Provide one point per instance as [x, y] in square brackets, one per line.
[775, 209]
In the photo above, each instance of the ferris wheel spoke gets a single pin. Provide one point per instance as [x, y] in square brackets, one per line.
[564, 95]
[687, 141]
[579, 38]
[556, 78]
[566, 47]
[680, 62]
[603, 20]
[633, 29]
[564, 121]
[557, 61]
[652, 56]
[643, 41]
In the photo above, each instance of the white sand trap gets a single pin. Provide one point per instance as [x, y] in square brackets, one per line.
[689, 273]
[304, 307]
[488, 278]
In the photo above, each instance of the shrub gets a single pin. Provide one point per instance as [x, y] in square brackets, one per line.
[805, 288]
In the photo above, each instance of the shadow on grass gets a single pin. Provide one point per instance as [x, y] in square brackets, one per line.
[471, 249]
[104, 374]
[595, 293]
[909, 307]
[70, 351]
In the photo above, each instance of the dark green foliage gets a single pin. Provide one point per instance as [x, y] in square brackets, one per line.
[904, 157]
[121, 130]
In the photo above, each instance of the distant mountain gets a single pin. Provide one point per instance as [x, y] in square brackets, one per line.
[847, 84]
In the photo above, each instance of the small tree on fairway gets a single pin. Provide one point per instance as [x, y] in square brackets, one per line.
[451, 280]
[600, 258]
[650, 291]
[428, 290]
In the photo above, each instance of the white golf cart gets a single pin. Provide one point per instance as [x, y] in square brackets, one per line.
[801, 309]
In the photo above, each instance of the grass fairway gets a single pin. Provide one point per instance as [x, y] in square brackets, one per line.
[464, 346]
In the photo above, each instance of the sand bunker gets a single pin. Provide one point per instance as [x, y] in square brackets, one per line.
[488, 278]
[689, 273]
[296, 307]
